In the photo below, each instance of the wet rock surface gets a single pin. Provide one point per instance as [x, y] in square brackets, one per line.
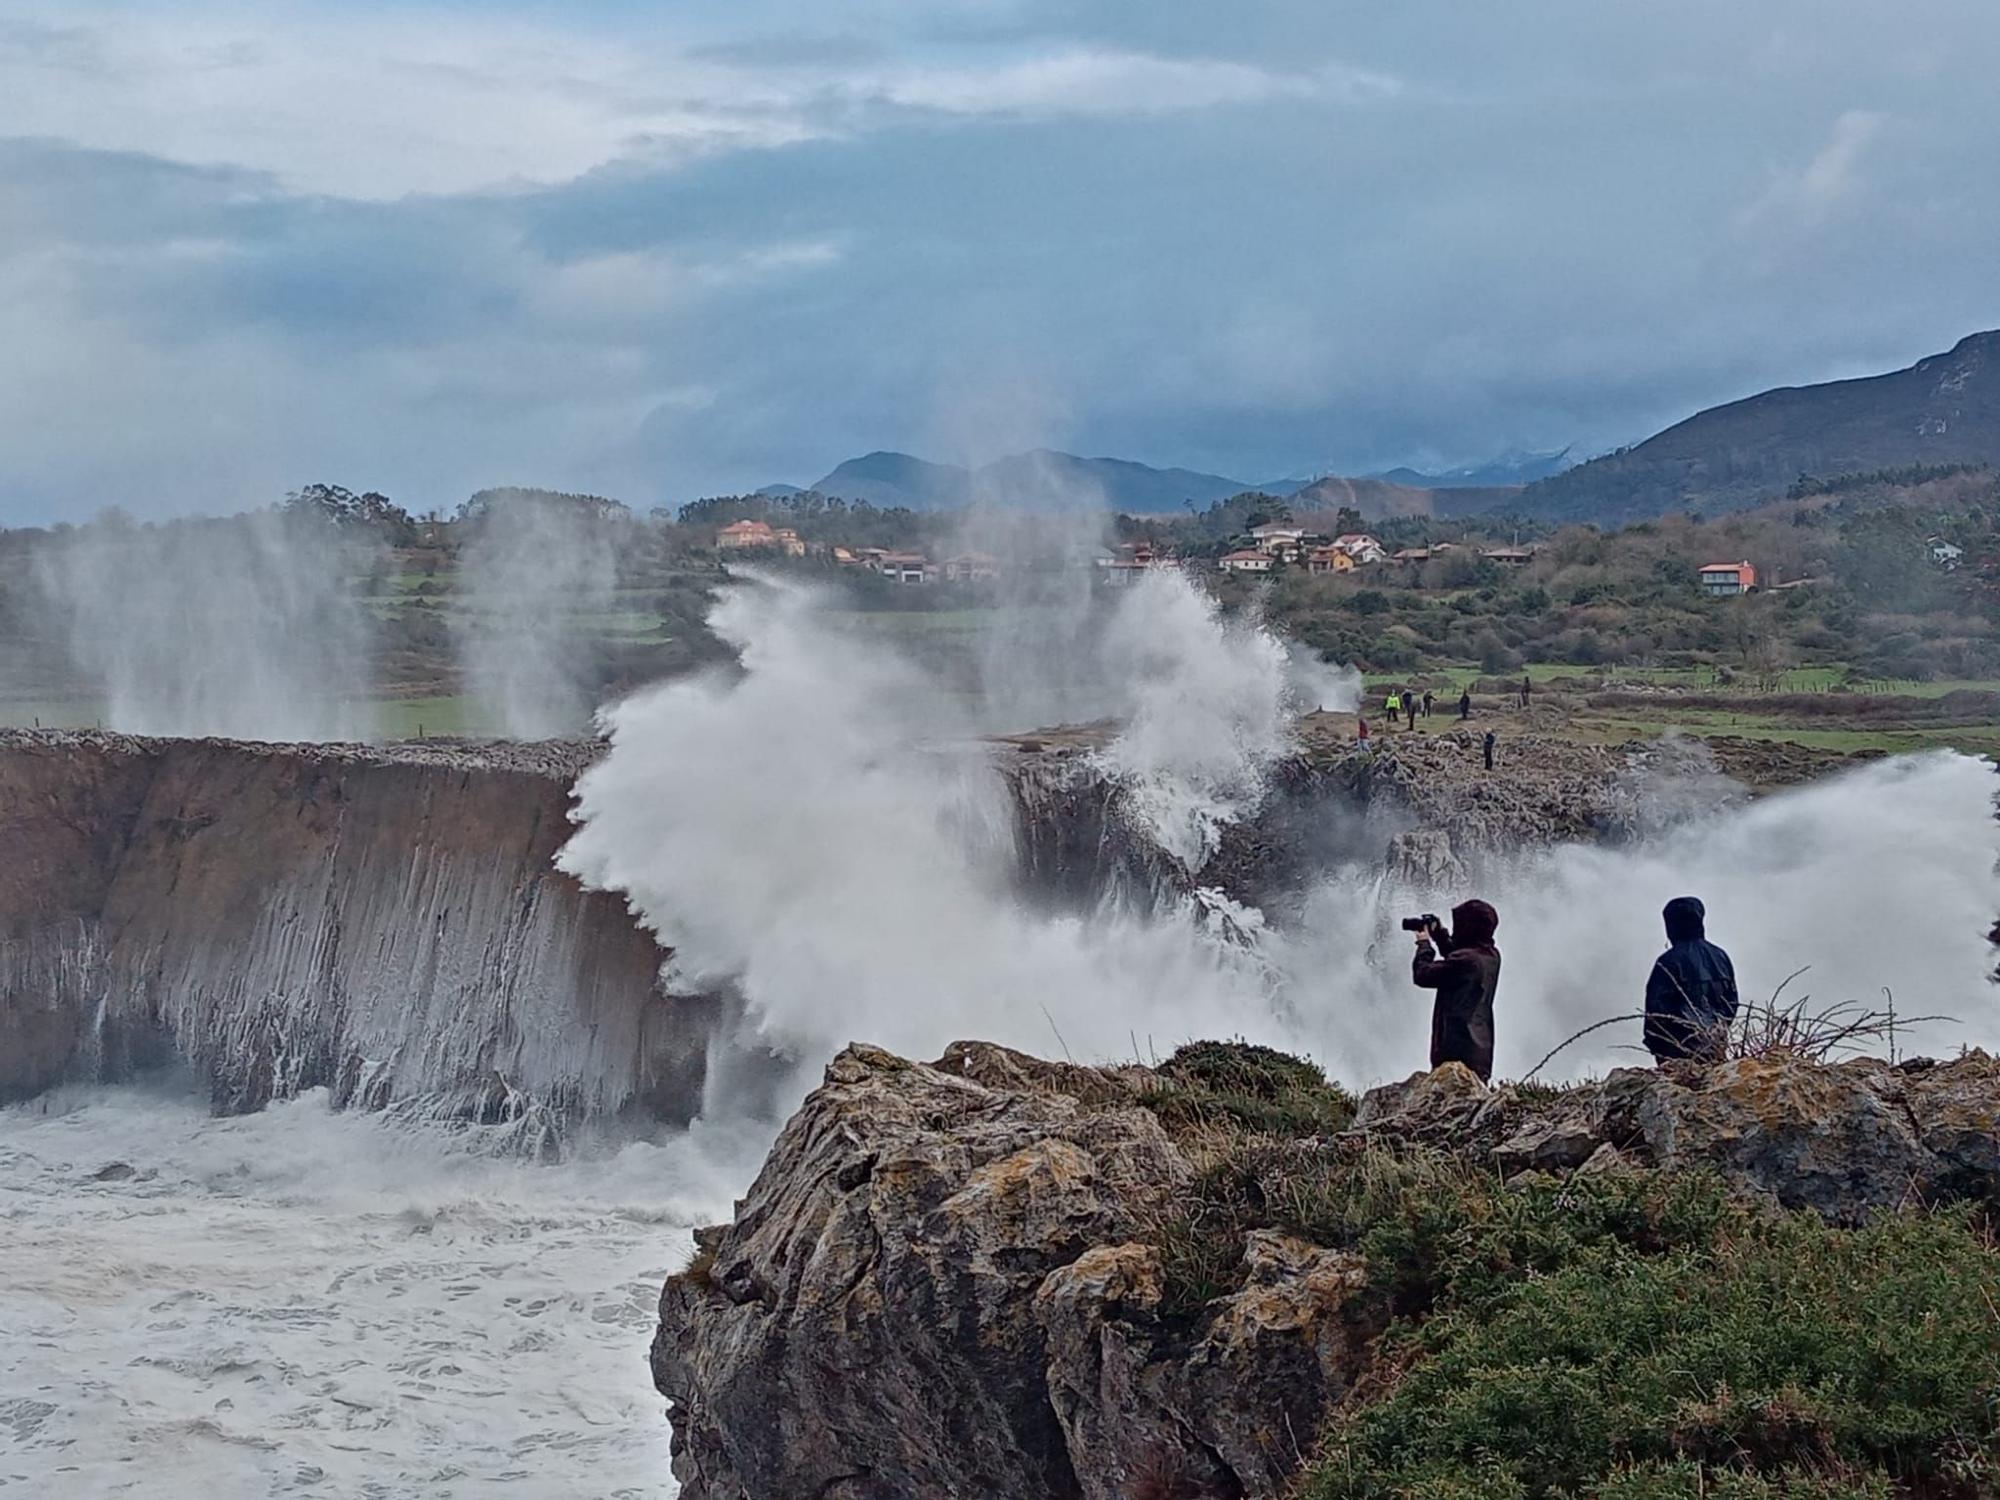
[946, 1281]
[383, 921]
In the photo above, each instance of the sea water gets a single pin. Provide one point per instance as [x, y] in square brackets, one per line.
[305, 1302]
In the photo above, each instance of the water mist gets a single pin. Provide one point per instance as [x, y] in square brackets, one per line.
[532, 573]
[246, 627]
[825, 832]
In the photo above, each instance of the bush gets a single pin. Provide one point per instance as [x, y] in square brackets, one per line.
[1652, 1338]
[1250, 1087]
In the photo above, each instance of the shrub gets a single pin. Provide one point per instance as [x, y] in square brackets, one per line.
[1661, 1341]
[1253, 1088]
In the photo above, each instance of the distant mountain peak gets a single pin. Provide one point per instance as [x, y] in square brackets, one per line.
[1944, 409]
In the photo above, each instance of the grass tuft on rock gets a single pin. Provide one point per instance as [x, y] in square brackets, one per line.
[1244, 1086]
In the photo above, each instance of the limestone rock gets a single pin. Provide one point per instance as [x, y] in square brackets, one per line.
[1232, 1414]
[940, 1285]
[868, 1328]
[944, 1281]
[1446, 1103]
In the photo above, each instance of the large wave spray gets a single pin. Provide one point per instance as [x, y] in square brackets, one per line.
[822, 832]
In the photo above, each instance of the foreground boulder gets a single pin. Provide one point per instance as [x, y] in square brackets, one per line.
[953, 1279]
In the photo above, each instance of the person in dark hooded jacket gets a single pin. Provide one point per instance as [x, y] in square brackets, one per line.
[1463, 966]
[1691, 994]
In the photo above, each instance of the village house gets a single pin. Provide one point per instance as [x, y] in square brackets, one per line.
[1510, 557]
[738, 534]
[1332, 558]
[788, 539]
[903, 567]
[1945, 554]
[1277, 536]
[1246, 560]
[1723, 580]
[1360, 546]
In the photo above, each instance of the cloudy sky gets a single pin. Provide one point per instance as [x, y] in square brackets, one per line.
[660, 250]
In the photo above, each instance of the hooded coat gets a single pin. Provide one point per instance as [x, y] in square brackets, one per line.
[1464, 969]
[1691, 994]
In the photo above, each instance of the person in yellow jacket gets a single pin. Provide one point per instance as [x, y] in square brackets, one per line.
[1393, 706]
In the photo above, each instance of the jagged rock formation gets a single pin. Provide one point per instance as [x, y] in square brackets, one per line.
[948, 1278]
[1334, 802]
[384, 922]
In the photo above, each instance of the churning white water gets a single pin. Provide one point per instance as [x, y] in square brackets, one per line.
[301, 1302]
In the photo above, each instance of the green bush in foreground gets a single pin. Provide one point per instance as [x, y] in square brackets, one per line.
[1649, 1337]
[1646, 1336]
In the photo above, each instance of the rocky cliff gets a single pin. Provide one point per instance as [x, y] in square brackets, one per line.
[384, 922]
[1333, 801]
[990, 1275]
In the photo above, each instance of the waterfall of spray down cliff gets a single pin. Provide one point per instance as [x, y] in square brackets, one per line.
[820, 833]
[386, 924]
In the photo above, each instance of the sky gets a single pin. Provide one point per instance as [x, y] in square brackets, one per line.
[660, 251]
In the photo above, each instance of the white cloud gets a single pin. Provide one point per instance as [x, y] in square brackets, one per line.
[373, 106]
[1827, 184]
[1083, 82]
[365, 107]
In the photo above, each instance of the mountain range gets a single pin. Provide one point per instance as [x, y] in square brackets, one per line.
[1941, 410]
[1046, 479]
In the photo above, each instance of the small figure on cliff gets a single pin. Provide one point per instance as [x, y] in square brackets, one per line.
[1490, 739]
[1691, 993]
[1463, 966]
[1410, 707]
[1427, 703]
[1465, 705]
[1527, 687]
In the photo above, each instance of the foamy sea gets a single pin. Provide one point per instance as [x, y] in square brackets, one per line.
[302, 1302]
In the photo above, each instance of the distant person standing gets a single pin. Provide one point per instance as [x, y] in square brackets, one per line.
[1410, 708]
[1427, 703]
[1489, 749]
[1691, 993]
[1465, 705]
[1361, 731]
[1393, 706]
[1527, 687]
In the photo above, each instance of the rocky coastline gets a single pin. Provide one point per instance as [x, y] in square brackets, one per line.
[975, 1276]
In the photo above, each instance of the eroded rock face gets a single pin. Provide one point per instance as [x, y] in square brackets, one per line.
[1234, 1413]
[384, 922]
[945, 1281]
[867, 1328]
[1845, 1141]
[940, 1285]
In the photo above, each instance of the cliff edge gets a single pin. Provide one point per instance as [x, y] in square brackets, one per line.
[384, 922]
[992, 1275]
